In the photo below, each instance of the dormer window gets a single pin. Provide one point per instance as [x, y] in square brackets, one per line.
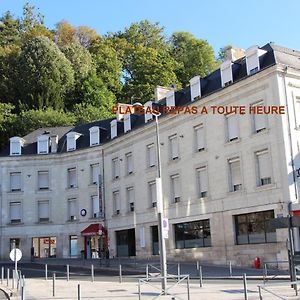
[94, 136]
[226, 73]
[113, 129]
[148, 115]
[43, 144]
[71, 140]
[252, 59]
[16, 144]
[195, 88]
[127, 122]
[170, 98]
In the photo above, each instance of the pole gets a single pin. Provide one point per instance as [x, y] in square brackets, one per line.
[68, 272]
[120, 273]
[160, 207]
[2, 275]
[53, 284]
[188, 287]
[245, 286]
[78, 292]
[230, 268]
[7, 283]
[197, 265]
[178, 271]
[139, 289]
[200, 276]
[46, 272]
[92, 273]
[147, 272]
[15, 259]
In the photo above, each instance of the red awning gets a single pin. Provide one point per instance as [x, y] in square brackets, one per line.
[93, 229]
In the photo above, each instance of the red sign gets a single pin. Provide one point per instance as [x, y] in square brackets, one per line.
[46, 241]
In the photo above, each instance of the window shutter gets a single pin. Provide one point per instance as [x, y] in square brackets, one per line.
[96, 206]
[129, 160]
[174, 147]
[170, 98]
[116, 197]
[152, 189]
[226, 73]
[43, 210]
[176, 187]
[15, 211]
[151, 155]
[43, 145]
[200, 138]
[15, 181]
[195, 88]
[95, 173]
[259, 120]
[15, 148]
[43, 180]
[113, 129]
[232, 123]
[72, 178]
[116, 170]
[72, 208]
[252, 62]
[94, 136]
[71, 143]
[127, 122]
[148, 116]
[264, 164]
[203, 184]
[235, 172]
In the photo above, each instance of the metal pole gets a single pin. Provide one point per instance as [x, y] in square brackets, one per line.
[46, 272]
[79, 292]
[230, 268]
[162, 245]
[139, 289]
[7, 283]
[53, 284]
[23, 292]
[188, 287]
[147, 272]
[120, 273]
[178, 271]
[92, 273]
[68, 272]
[259, 292]
[15, 259]
[200, 276]
[197, 265]
[245, 286]
[2, 275]
[265, 270]
[13, 279]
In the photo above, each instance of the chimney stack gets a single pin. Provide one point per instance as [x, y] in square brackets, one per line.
[54, 143]
[234, 54]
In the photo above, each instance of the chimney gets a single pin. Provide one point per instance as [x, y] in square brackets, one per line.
[161, 92]
[54, 143]
[234, 54]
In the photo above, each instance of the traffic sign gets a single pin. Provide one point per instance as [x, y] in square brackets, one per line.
[15, 254]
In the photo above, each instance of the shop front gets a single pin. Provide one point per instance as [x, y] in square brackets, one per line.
[44, 247]
[95, 241]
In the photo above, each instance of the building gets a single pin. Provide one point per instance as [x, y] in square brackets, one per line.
[79, 191]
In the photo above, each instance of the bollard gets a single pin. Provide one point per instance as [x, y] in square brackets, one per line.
[197, 265]
[13, 279]
[245, 286]
[46, 272]
[178, 271]
[68, 272]
[7, 277]
[265, 270]
[2, 275]
[230, 268]
[188, 287]
[259, 293]
[139, 290]
[53, 284]
[147, 272]
[23, 292]
[120, 273]
[92, 273]
[200, 276]
[78, 292]
[19, 280]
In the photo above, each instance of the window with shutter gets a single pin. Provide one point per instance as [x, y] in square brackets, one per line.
[259, 120]
[202, 182]
[175, 188]
[200, 139]
[130, 197]
[43, 180]
[129, 163]
[115, 168]
[72, 178]
[94, 136]
[148, 116]
[15, 212]
[43, 207]
[174, 151]
[232, 127]
[226, 73]
[72, 209]
[113, 129]
[152, 193]
[116, 202]
[127, 122]
[95, 172]
[235, 174]
[151, 155]
[252, 62]
[15, 181]
[16, 144]
[170, 99]
[96, 206]
[71, 140]
[195, 88]
[264, 167]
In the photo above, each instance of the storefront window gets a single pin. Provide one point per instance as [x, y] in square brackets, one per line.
[44, 247]
[14, 243]
[73, 245]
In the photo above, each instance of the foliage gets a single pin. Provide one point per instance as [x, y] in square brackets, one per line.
[222, 54]
[7, 122]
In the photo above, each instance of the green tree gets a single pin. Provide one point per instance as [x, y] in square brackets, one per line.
[7, 123]
[195, 56]
[9, 30]
[222, 54]
[45, 74]
[65, 33]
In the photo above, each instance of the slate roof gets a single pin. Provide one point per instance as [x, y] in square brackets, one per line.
[210, 84]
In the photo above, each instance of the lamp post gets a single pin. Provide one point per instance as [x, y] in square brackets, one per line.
[160, 207]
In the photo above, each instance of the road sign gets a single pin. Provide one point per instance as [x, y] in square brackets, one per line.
[15, 254]
[283, 222]
[165, 228]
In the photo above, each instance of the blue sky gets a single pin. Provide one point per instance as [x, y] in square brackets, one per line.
[221, 22]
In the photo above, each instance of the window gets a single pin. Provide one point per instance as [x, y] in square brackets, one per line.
[148, 114]
[130, 198]
[14, 243]
[113, 129]
[252, 228]
[175, 186]
[151, 159]
[15, 181]
[200, 138]
[95, 172]
[173, 143]
[232, 127]
[170, 98]
[15, 212]
[43, 144]
[226, 73]
[116, 202]
[94, 136]
[202, 182]
[16, 144]
[43, 180]
[43, 211]
[129, 163]
[115, 168]
[127, 122]
[96, 206]
[259, 120]
[72, 209]
[71, 140]
[235, 174]
[72, 178]
[192, 234]
[195, 88]
[152, 193]
[73, 245]
[263, 167]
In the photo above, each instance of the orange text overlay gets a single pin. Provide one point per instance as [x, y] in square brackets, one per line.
[204, 110]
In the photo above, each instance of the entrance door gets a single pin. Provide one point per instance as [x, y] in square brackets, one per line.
[154, 233]
[126, 242]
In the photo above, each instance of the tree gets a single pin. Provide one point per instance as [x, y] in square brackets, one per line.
[195, 56]
[222, 55]
[65, 33]
[85, 36]
[7, 122]
[45, 74]
[9, 30]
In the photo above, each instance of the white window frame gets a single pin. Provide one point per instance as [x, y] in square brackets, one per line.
[195, 88]
[258, 118]
[116, 202]
[252, 59]
[200, 146]
[175, 189]
[72, 216]
[71, 140]
[173, 142]
[202, 192]
[226, 73]
[71, 184]
[95, 173]
[152, 193]
[19, 205]
[151, 155]
[170, 98]
[45, 218]
[16, 144]
[234, 187]
[232, 125]
[43, 144]
[127, 122]
[129, 163]
[17, 188]
[130, 198]
[263, 180]
[94, 136]
[148, 116]
[96, 207]
[43, 173]
[115, 168]
[113, 129]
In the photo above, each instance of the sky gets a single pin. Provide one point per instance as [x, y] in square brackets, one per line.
[221, 22]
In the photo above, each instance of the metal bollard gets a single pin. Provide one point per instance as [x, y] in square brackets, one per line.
[120, 273]
[200, 276]
[178, 271]
[197, 265]
[46, 272]
[188, 287]
[147, 272]
[265, 270]
[259, 292]
[23, 292]
[2, 275]
[230, 268]
[19, 278]
[53, 284]
[7, 277]
[78, 292]
[68, 272]
[13, 279]
[92, 273]
[245, 286]
[139, 290]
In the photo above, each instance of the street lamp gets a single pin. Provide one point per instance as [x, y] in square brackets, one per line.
[160, 206]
